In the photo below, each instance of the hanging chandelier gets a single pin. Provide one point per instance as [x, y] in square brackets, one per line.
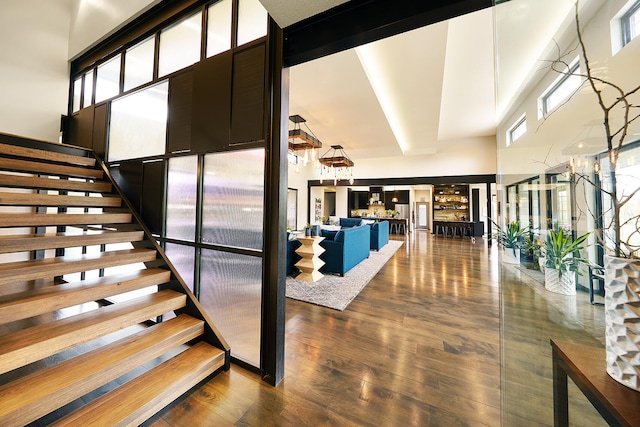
[336, 166]
[303, 146]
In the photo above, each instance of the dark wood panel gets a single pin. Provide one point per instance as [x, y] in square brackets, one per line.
[180, 102]
[100, 123]
[247, 99]
[153, 183]
[128, 176]
[211, 106]
[81, 128]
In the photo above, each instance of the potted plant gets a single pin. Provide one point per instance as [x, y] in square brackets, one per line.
[530, 250]
[617, 229]
[307, 230]
[510, 240]
[562, 260]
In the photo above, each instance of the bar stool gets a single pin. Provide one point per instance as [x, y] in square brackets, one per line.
[393, 227]
[402, 227]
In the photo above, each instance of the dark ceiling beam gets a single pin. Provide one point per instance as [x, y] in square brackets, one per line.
[358, 22]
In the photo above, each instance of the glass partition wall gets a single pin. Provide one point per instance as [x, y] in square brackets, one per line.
[557, 166]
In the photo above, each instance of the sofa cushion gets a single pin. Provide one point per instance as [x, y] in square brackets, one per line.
[350, 222]
[329, 234]
[339, 237]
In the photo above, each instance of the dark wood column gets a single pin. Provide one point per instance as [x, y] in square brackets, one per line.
[273, 289]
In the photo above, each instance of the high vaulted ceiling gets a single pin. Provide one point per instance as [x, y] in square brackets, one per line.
[416, 93]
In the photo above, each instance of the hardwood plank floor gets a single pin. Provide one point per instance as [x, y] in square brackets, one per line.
[419, 346]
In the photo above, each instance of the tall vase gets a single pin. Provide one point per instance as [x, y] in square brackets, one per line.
[565, 284]
[622, 320]
[511, 256]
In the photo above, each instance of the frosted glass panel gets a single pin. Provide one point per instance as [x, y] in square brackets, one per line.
[230, 292]
[219, 27]
[77, 93]
[108, 80]
[138, 125]
[88, 88]
[233, 198]
[138, 65]
[182, 257]
[252, 21]
[180, 45]
[182, 190]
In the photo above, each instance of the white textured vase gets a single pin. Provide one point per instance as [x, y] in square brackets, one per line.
[511, 256]
[622, 320]
[565, 285]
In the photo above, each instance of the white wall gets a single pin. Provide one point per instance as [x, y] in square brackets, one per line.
[476, 157]
[94, 20]
[33, 65]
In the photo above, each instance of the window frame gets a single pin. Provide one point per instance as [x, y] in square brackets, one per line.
[522, 120]
[570, 71]
[625, 23]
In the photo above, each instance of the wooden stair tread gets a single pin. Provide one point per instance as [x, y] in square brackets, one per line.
[33, 242]
[44, 219]
[47, 299]
[140, 398]
[33, 199]
[57, 266]
[34, 153]
[49, 168]
[32, 344]
[20, 181]
[35, 395]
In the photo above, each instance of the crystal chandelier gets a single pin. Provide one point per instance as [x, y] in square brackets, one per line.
[336, 166]
[303, 146]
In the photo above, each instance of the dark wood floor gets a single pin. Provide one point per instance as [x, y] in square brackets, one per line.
[419, 346]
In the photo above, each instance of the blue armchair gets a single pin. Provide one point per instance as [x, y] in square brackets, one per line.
[379, 235]
[348, 247]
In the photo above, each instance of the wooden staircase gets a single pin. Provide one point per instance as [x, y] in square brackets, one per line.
[70, 354]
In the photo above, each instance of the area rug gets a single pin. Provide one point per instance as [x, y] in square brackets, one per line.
[337, 292]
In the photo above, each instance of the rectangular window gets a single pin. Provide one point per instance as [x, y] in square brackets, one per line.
[252, 21]
[138, 124]
[138, 65]
[108, 79]
[232, 213]
[182, 192]
[630, 23]
[88, 89]
[77, 93]
[562, 88]
[518, 129]
[219, 27]
[180, 45]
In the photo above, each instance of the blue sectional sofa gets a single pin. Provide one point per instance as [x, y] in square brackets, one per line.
[345, 249]
[379, 234]
[350, 222]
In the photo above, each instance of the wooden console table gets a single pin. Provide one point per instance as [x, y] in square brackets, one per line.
[586, 366]
[310, 263]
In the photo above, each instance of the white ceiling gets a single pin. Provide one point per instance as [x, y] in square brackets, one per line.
[421, 92]
[426, 91]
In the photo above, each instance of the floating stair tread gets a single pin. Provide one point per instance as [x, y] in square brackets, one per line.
[140, 398]
[34, 153]
[20, 181]
[32, 344]
[49, 168]
[31, 397]
[33, 242]
[33, 199]
[50, 267]
[44, 219]
[47, 299]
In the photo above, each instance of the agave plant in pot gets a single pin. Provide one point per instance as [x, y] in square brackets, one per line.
[562, 260]
[510, 240]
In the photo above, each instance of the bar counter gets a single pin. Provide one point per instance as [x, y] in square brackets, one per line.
[458, 228]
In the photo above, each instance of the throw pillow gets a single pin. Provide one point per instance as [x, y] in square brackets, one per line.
[328, 234]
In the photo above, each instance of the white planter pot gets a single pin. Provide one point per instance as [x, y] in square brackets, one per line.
[511, 256]
[541, 262]
[622, 320]
[565, 285]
